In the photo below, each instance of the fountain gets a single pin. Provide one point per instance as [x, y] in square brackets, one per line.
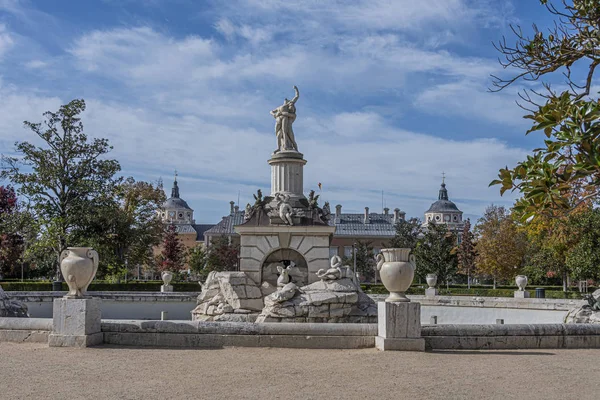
[285, 272]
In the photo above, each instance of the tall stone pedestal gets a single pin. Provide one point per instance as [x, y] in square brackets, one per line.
[522, 294]
[76, 323]
[399, 327]
[431, 292]
[166, 288]
[287, 173]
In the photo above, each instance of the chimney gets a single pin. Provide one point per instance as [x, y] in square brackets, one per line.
[231, 203]
[236, 209]
[396, 215]
[338, 210]
[367, 215]
[386, 211]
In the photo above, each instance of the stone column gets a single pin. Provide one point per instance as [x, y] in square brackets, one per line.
[76, 323]
[287, 173]
[399, 326]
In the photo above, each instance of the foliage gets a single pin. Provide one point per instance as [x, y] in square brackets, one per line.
[466, 250]
[66, 178]
[197, 258]
[407, 234]
[172, 256]
[501, 246]
[11, 242]
[365, 262]
[126, 228]
[221, 255]
[435, 253]
[583, 259]
[104, 286]
[565, 172]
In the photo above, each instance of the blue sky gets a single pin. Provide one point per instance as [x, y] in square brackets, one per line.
[393, 92]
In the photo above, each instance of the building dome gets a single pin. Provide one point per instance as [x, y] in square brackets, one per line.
[443, 204]
[175, 210]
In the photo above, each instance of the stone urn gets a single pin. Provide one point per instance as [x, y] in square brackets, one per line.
[78, 266]
[397, 269]
[431, 280]
[167, 277]
[521, 281]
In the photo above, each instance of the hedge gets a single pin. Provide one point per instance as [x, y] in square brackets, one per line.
[102, 286]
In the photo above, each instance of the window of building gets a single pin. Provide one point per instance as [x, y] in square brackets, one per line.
[437, 217]
[347, 251]
[180, 215]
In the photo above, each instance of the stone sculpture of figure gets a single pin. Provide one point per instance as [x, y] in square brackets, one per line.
[335, 272]
[284, 276]
[285, 115]
[248, 212]
[285, 209]
[283, 294]
[593, 303]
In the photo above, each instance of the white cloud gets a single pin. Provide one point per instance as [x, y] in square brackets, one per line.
[6, 41]
[35, 64]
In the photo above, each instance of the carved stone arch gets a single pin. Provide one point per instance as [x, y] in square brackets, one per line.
[284, 256]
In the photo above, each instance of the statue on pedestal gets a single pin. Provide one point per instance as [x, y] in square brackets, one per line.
[285, 115]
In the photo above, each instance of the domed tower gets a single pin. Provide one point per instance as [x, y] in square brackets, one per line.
[445, 211]
[175, 210]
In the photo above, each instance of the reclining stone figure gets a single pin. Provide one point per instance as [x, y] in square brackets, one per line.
[336, 271]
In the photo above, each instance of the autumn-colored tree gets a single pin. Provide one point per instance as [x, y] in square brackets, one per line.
[172, 256]
[466, 252]
[501, 246]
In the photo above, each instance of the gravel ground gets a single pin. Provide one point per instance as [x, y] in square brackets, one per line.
[34, 371]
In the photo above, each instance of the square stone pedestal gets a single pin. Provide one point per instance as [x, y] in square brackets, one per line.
[76, 323]
[521, 294]
[166, 288]
[399, 327]
[431, 292]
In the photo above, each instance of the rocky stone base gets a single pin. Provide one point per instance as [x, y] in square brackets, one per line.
[12, 308]
[585, 314]
[234, 297]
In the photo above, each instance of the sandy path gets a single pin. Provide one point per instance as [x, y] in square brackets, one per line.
[34, 371]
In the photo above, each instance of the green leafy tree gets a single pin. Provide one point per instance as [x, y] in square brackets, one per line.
[126, 228]
[466, 252]
[365, 260]
[583, 258]
[435, 253]
[65, 178]
[407, 234]
[501, 246]
[565, 172]
[197, 259]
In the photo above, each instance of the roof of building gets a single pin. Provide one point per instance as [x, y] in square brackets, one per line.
[175, 201]
[198, 229]
[225, 227]
[443, 204]
[346, 225]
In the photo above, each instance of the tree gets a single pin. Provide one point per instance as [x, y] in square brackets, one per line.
[365, 261]
[435, 253]
[565, 172]
[11, 242]
[222, 255]
[197, 259]
[172, 256]
[65, 178]
[466, 252]
[501, 246]
[126, 228]
[583, 258]
[407, 234]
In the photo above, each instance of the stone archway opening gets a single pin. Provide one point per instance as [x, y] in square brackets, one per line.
[285, 257]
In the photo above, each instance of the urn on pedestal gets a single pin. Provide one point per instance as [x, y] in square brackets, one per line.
[397, 270]
[78, 266]
[167, 276]
[521, 281]
[431, 280]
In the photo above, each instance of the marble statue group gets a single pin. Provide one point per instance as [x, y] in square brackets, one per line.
[285, 115]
